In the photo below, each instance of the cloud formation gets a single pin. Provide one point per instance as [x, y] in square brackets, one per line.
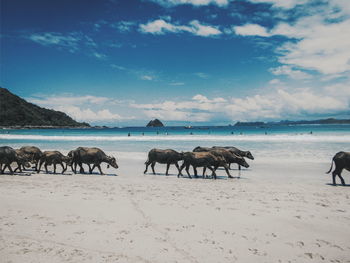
[280, 103]
[160, 27]
[317, 41]
[170, 3]
[81, 108]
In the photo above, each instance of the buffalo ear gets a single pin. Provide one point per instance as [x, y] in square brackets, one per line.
[107, 165]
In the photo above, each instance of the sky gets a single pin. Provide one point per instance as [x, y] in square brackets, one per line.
[199, 62]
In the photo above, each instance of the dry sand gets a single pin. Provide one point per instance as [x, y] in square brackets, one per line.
[276, 212]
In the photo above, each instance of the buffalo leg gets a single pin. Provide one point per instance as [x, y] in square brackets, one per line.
[204, 169]
[188, 170]
[195, 171]
[91, 169]
[39, 168]
[228, 173]
[180, 169]
[0, 168]
[147, 164]
[18, 168]
[99, 168]
[152, 166]
[341, 178]
[54, 168]
[239, 167]
[9, 167]
[213, 172]
[177, 166]
[75, 167]
[167, 168]
[63, 168]
[81, 168]
[45, 165]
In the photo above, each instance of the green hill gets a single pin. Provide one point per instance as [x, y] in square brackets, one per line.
[15, 111]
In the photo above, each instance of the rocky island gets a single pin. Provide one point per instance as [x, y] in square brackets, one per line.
[155, 123]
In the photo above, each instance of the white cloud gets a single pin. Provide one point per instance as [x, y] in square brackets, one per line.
[169, 3]
[280, 103]
[289, 71]
[160, 27]
[201, 75]
[70, 41]
[87, 115]
[281, 3]
[251, 30]
[147, 77]
[124, 26]
[177, 83]
[275, 82]
[203, 30]
[319, 41]
[81, 108]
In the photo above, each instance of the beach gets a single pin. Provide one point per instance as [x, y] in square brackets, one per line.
[279, 210]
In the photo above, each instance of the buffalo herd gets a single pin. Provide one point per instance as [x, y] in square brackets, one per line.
[23, 157]
[208, 158]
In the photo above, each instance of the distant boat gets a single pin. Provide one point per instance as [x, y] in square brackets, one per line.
[188, 127]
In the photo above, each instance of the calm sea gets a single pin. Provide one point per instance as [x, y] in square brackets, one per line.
[300, 142]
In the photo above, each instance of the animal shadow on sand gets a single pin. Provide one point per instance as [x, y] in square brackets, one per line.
[346, 185]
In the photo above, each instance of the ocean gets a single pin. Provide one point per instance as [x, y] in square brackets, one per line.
[313, 143]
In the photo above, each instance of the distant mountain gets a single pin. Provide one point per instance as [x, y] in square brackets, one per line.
[155, 123]
[15, 111]
[287, 122]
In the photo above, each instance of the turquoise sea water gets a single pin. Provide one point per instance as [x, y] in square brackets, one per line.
[303, 142]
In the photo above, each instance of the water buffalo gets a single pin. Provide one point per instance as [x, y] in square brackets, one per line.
[228, 155]
[341, 161]
[23, 160]
[203, 159]
[94, 156]
[167, 156]
[32, 153]
[53, 158]
[237, 151]
[7, 156]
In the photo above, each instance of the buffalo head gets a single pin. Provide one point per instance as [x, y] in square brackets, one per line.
[112, 162]
[249, 155]
[241, 161]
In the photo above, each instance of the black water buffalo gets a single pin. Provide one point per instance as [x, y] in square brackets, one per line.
[203, 159]
[341, 161]
[32, 153]
[237, 151]
[94, 156]
[23, 160]
[53, 158]
[7, 156]
[228, 155]
[167, 157]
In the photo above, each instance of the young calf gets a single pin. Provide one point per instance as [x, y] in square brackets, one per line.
[53, 158]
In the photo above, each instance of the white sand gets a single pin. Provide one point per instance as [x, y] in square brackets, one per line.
[277, 212]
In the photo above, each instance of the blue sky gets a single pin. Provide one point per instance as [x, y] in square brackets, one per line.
[121, 63]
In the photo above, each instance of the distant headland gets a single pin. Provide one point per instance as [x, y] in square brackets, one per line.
[287, 122]
[16, 113]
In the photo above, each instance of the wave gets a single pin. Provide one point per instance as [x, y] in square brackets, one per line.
[231, 138]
